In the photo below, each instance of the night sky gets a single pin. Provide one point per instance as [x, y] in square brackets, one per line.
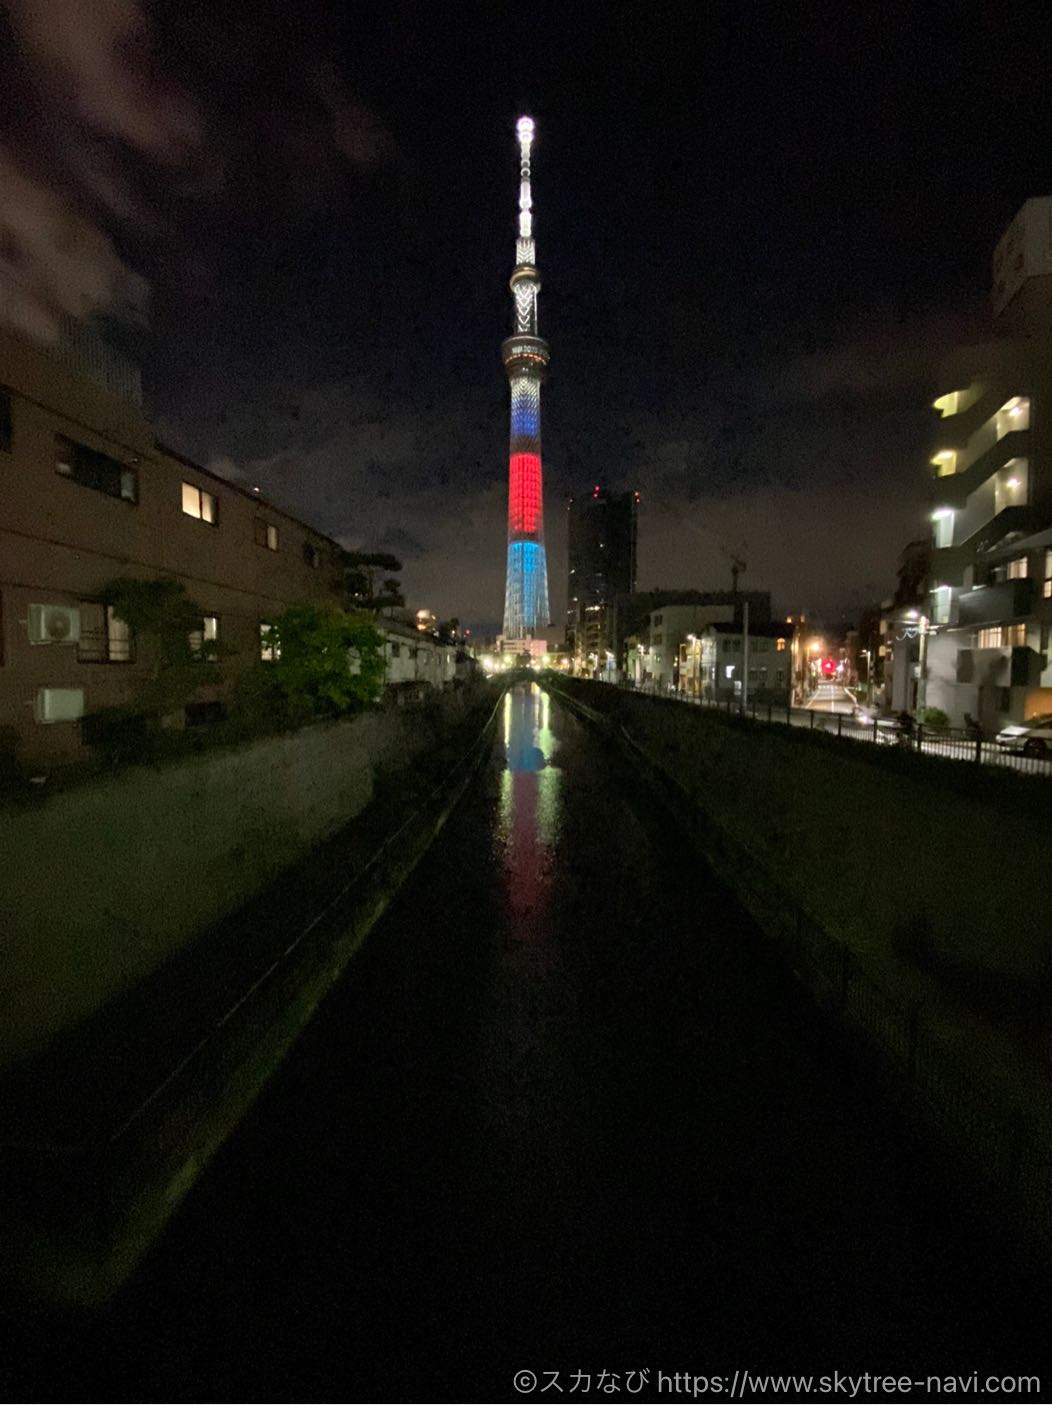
[758, 229]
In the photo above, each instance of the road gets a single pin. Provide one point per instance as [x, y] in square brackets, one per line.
[831, 697]
[566, 1112]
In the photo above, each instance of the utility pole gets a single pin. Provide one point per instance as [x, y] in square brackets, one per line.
[745, 655]
[737, 566]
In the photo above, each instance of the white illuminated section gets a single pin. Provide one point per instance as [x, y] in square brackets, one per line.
[524, 131]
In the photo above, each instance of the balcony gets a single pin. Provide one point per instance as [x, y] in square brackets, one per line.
[1021, 518]
[994, 604]
[954, 489]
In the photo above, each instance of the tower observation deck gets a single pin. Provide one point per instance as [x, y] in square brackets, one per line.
[525, 355]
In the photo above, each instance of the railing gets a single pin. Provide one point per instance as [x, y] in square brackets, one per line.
[952, 744]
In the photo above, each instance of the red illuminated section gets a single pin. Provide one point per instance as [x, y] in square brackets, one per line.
[524, 492]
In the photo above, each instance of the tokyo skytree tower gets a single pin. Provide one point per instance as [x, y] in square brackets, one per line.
[525, 354]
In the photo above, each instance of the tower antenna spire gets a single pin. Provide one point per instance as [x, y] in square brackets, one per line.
[526, 357]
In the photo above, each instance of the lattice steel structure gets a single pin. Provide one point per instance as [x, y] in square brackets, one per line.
[525, 354]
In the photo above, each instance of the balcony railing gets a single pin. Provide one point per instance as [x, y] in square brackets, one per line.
[995, 604]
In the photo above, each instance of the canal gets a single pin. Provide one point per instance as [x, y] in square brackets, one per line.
[566, 1112]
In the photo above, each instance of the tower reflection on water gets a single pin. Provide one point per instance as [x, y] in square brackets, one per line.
[530, 796]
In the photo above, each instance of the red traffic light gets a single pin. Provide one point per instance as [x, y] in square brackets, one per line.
[829, 667]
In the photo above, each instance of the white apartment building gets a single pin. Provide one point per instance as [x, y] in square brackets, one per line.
[984, 635]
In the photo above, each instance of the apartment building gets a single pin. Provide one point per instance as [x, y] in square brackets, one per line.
[87, 494]
[714, 662]
[984, 634]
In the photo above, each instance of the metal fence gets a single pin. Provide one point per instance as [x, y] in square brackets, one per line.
[952, 744]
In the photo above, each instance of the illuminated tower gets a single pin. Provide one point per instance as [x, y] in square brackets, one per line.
[526, 362]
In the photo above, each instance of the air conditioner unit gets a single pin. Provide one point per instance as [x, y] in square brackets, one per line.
[59, 704]
[54, 624]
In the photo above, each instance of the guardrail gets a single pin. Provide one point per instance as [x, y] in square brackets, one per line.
[949, 743]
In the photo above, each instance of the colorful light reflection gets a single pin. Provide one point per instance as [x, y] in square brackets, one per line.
[530, 804]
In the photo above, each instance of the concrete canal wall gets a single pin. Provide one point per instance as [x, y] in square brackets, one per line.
[101, 883]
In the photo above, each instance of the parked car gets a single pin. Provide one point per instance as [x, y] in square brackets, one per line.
[1032, 737]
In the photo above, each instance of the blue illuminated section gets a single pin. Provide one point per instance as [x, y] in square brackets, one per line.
[525, 420]
[526, 604]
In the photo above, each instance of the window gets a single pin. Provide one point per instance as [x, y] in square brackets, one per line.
[1047, 591]
[94, 470]
[780, 646]
[656, 619]
[1017, 569]
[207, 634]
[266, 534]
[311, 555]
[989, 638]
[198, 503]
[396, 651]
[103, 637]
[1015, 635]
[5, 421]
[269, 648]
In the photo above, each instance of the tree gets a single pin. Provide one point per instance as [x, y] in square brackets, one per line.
[360, 570]
[325, 661]
[165, 620]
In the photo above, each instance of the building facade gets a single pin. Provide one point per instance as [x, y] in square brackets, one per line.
[88, 496]
[601, 552]
[715, 661]
[983, 632]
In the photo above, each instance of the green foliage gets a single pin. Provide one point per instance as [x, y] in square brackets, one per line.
[935, 718]
[360, 582]
[325, 661]
[168, 622]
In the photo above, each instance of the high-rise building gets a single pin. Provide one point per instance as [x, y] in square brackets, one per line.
[980, 634]
[525, 354]
[602, 566]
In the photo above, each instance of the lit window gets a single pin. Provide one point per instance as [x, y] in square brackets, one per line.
[269, 648]
[198, 503]
[1014, 635]
[103, 637]
[780, 645]
[990, 638]
[266, 534]
[91, 469]
[1017, 569]
[1047, 592]
[207, 634]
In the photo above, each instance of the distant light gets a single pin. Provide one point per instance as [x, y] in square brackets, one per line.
[941, 512]
[255, 490]
[524, 127]
[1013, 482]
[911, 614]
